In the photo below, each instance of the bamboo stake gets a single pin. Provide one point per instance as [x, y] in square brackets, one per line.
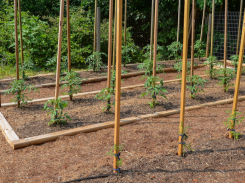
[152, 28]
[184, 68]
[125, 23]
[239, 27]
[238, 78]
[68, 39]
[193, 39]
[212, 29]
[115, 35]
[225, 42]
[16, 45]
[208, 35]
[110, 44]
[203, 17]
[118, 83]
[178, 20]
[95, 24]
[21, 40]
[59, 50]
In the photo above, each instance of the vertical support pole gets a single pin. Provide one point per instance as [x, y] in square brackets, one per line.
[16, 44]
[95, 23]
[152, 28]
[110, 44]
[212, 29]
[118, 82]
[225, 41]
[125, 23]
[184, 68]
[21, 40]
[98, 33]
[115, 36]
[68, 39]
[0, 100]
[193, 38]
[178, 20]
[208, 35]
[59, 50]
[238, 78]
[203, 17]
[239, 28]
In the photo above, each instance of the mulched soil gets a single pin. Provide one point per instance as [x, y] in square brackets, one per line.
[50, 91]
[30, 120]
[149, 153]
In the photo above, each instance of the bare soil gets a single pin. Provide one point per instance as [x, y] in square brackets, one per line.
[31, 120]
[149, 153]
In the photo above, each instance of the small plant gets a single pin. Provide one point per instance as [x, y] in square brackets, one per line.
[56, 111]
[126, 52]
[178, 67]
[175, 49]
[184, 136]
[234, 61]
[106, 94]
[95, 61]
[211, 61]
[225, 80]
[199, 49]
[111, 153]
[147, 66]
[74, 81]
[52, 64]
[197, 86]
[18, 87]
[232, 121]
[154, 90]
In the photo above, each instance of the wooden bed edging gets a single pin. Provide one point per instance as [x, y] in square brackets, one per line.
[87, 93]
[20, 143]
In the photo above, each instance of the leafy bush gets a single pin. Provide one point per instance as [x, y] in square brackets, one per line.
[175, 50]
[18, 87]
[197, 86]
[74, 82]
[56, 111]
[154, 90]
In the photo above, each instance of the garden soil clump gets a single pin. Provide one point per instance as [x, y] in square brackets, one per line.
[31, 120]
[149, 153]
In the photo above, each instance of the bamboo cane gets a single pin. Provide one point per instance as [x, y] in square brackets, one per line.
[59, 50]
[125, 23]
[208, 35]
[68, 39]
[193, 39]
[115, 36]
[203, 17]
[225, 42]
[178, 20]
[21, 40]
[110, 44]
[239, 27]
[152, 29]
[184, 68]
[16, 46]
[95, 23]
[118, 84]
[238, 78]
[212, 29]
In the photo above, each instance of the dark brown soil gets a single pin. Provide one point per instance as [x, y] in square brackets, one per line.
[50, 91]
[149, 153]
[30, 120]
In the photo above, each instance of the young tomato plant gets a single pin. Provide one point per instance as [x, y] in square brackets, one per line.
[175, 49]
[184, 137]
[56, 111]
[106, 94]
[199, 49]
[74, 81]
[95, 61]
[225, 80]
[111, 153]
[153, 89]
[234, 61]
[233, 119]
[147, 66]
[197, 86]
[18, 87]
[178, 67]
[127, 51]
[211, 61]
